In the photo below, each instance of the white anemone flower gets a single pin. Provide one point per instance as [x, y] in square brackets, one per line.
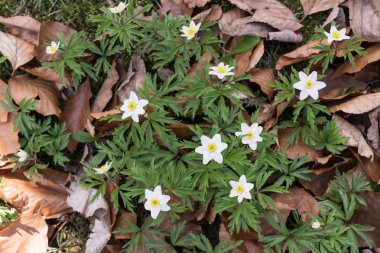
[22, 155]
[251, 134]
[133, 107]
[53, 48]
[309, 85]
[104, 168]
[190, 31]
[316, 224]
[221, 70]
[241, 189]
[336, 35]
[119, 8]
[156, 201]
[211, 149]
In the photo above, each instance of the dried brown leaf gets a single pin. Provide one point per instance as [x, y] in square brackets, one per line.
[8, 137]
[77, 112]
[176, 7]
[358, 105]
[48, 33]
[17, 51]
[47, 74]
[24, 27]
[47, 92]
[121, 219]
[212, 14]
[360, 61]
[245, 26]
[314, 6]
[297, 149]
[3, 112]
[105, 92]
[44, 195]
[298, 55]
[365, 19]
[26, 234]
[279, 17]
[262, 77]
[373, 132]
[285, 36]
[196, 3]
[133, 79]
[297, 199]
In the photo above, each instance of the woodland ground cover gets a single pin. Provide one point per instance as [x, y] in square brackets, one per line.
[189, 126]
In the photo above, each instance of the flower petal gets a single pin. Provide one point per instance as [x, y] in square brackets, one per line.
[218, 158]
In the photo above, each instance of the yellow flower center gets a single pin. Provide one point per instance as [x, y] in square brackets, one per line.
[335, 34]
[309, 84]
[190, 31]
[250, 134]
[221, 69]
[239, 189]
[212, 147]
[131, 106]
[103, 169]
[154, 202]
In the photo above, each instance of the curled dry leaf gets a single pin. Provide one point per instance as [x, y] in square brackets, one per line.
[24, 27]
[226, 20]
[24, 87]
[337, 15]
[48, 33]
[176, 7]
[132, 80]
[248, 60]
[354, 136]
[47, 74]
[8, 137]
[297, 149]
[314, 6]
[298, 55]
[365, 19]
[358, 105]
[368, 215]
[262, 77]
[17, 51]
[212, 14]
[98, 115]
[26, 234]
[77, 113]
[285, 36]
[196, 3]
[373, 132]
[96, 211]
[121, 219]
[46, 196]
[297, 199]
[373, 55]
[3, 112]
[279, 17]
[245, 26]
[105, 92]
[370, 166]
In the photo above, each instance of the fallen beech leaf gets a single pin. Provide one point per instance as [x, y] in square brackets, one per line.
[256, 55]
[105, 92]
[371, 167]
[314, 6]
[266, 113]
[47, 92]
[26, 234]
[196, 3]
[297, 199]
[46, 196]
[133, 79]
[97, 212]
[360, 61]
[48, 33]
[373, 132]
[183, 130]
[368, 215]
[17, 51]
[297, 149]
[98, 115]
[245, 26]
[370, 72]
[278, 16]
[212, 14]
[300, 54]
[355, 137]
[262, 77]
[226, 20]
[337, 15]
[47, 74]
[365, 19]
[3, 112]
[8, 137]
[121, 219]
[77, 112]
[285, 36]
[358, 105]
[176, 7]
[24, 27]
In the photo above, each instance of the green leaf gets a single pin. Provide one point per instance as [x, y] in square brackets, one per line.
[246, 44]
[84, 137]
